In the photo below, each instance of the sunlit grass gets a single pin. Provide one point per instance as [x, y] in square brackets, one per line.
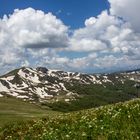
[115, 122]
[16, 110]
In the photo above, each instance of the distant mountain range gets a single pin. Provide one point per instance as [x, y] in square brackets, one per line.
[42, 84]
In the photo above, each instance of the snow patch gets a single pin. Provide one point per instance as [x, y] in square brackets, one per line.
[9, 78]
[34, 79]
[3, 88]
[13, 94]
[23, 97]
[1, 95]
[67, 100]
[106, 79]
[62, 85]
[132, 79]
[93, 78]
[42, 93]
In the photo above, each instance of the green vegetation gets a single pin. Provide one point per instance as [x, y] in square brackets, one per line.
[112, 122]
[95, 95]
[16, 110]
[24, 120]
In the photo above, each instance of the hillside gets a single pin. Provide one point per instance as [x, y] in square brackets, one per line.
[27, 95]
[111, 122]
[68, 91]
[13, 110]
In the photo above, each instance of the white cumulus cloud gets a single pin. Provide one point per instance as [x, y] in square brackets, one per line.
[34, 29]
[29, 33]
[127, 9]
[109, 41]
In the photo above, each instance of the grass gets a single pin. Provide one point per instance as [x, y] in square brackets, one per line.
[112, 122]
[16, 110]
[94, 95]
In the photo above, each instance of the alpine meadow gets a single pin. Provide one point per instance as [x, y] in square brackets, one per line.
[70, 70]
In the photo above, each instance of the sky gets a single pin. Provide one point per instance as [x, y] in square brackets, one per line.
[89, 36]
[72, 12]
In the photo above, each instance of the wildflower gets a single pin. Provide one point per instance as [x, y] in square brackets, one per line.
[83, 134]
[67, 136]
[102, 128]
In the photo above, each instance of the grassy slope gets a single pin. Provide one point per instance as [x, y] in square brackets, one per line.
[95, 96]
[112, 122]
[15, 110]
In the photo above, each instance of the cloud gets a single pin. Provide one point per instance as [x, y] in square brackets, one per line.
[26, 30]
[109, 41]
[104, 33]
[59, 12]
[86, 45]
[92, 36]
[81, 64]
[127, 9]
[113, 39]
[34, 29]
[90, 21]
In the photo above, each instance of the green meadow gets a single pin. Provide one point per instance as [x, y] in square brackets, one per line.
[119, 121]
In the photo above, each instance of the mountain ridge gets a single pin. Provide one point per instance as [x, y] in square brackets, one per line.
[42, 84]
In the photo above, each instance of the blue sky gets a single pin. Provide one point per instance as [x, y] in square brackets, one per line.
[89, 36]
[71, 12]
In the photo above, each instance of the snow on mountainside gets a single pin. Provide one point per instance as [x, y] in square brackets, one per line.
[43, 84]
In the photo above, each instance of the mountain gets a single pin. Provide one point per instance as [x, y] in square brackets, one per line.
[42, 84]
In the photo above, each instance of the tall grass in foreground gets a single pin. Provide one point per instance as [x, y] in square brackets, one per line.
[112, 122]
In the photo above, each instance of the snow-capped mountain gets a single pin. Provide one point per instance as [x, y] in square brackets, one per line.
[44, 84]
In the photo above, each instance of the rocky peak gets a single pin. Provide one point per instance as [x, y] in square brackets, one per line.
[42, 69]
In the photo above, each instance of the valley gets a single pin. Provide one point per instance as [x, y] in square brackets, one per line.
[41, 103]
[42, 85]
